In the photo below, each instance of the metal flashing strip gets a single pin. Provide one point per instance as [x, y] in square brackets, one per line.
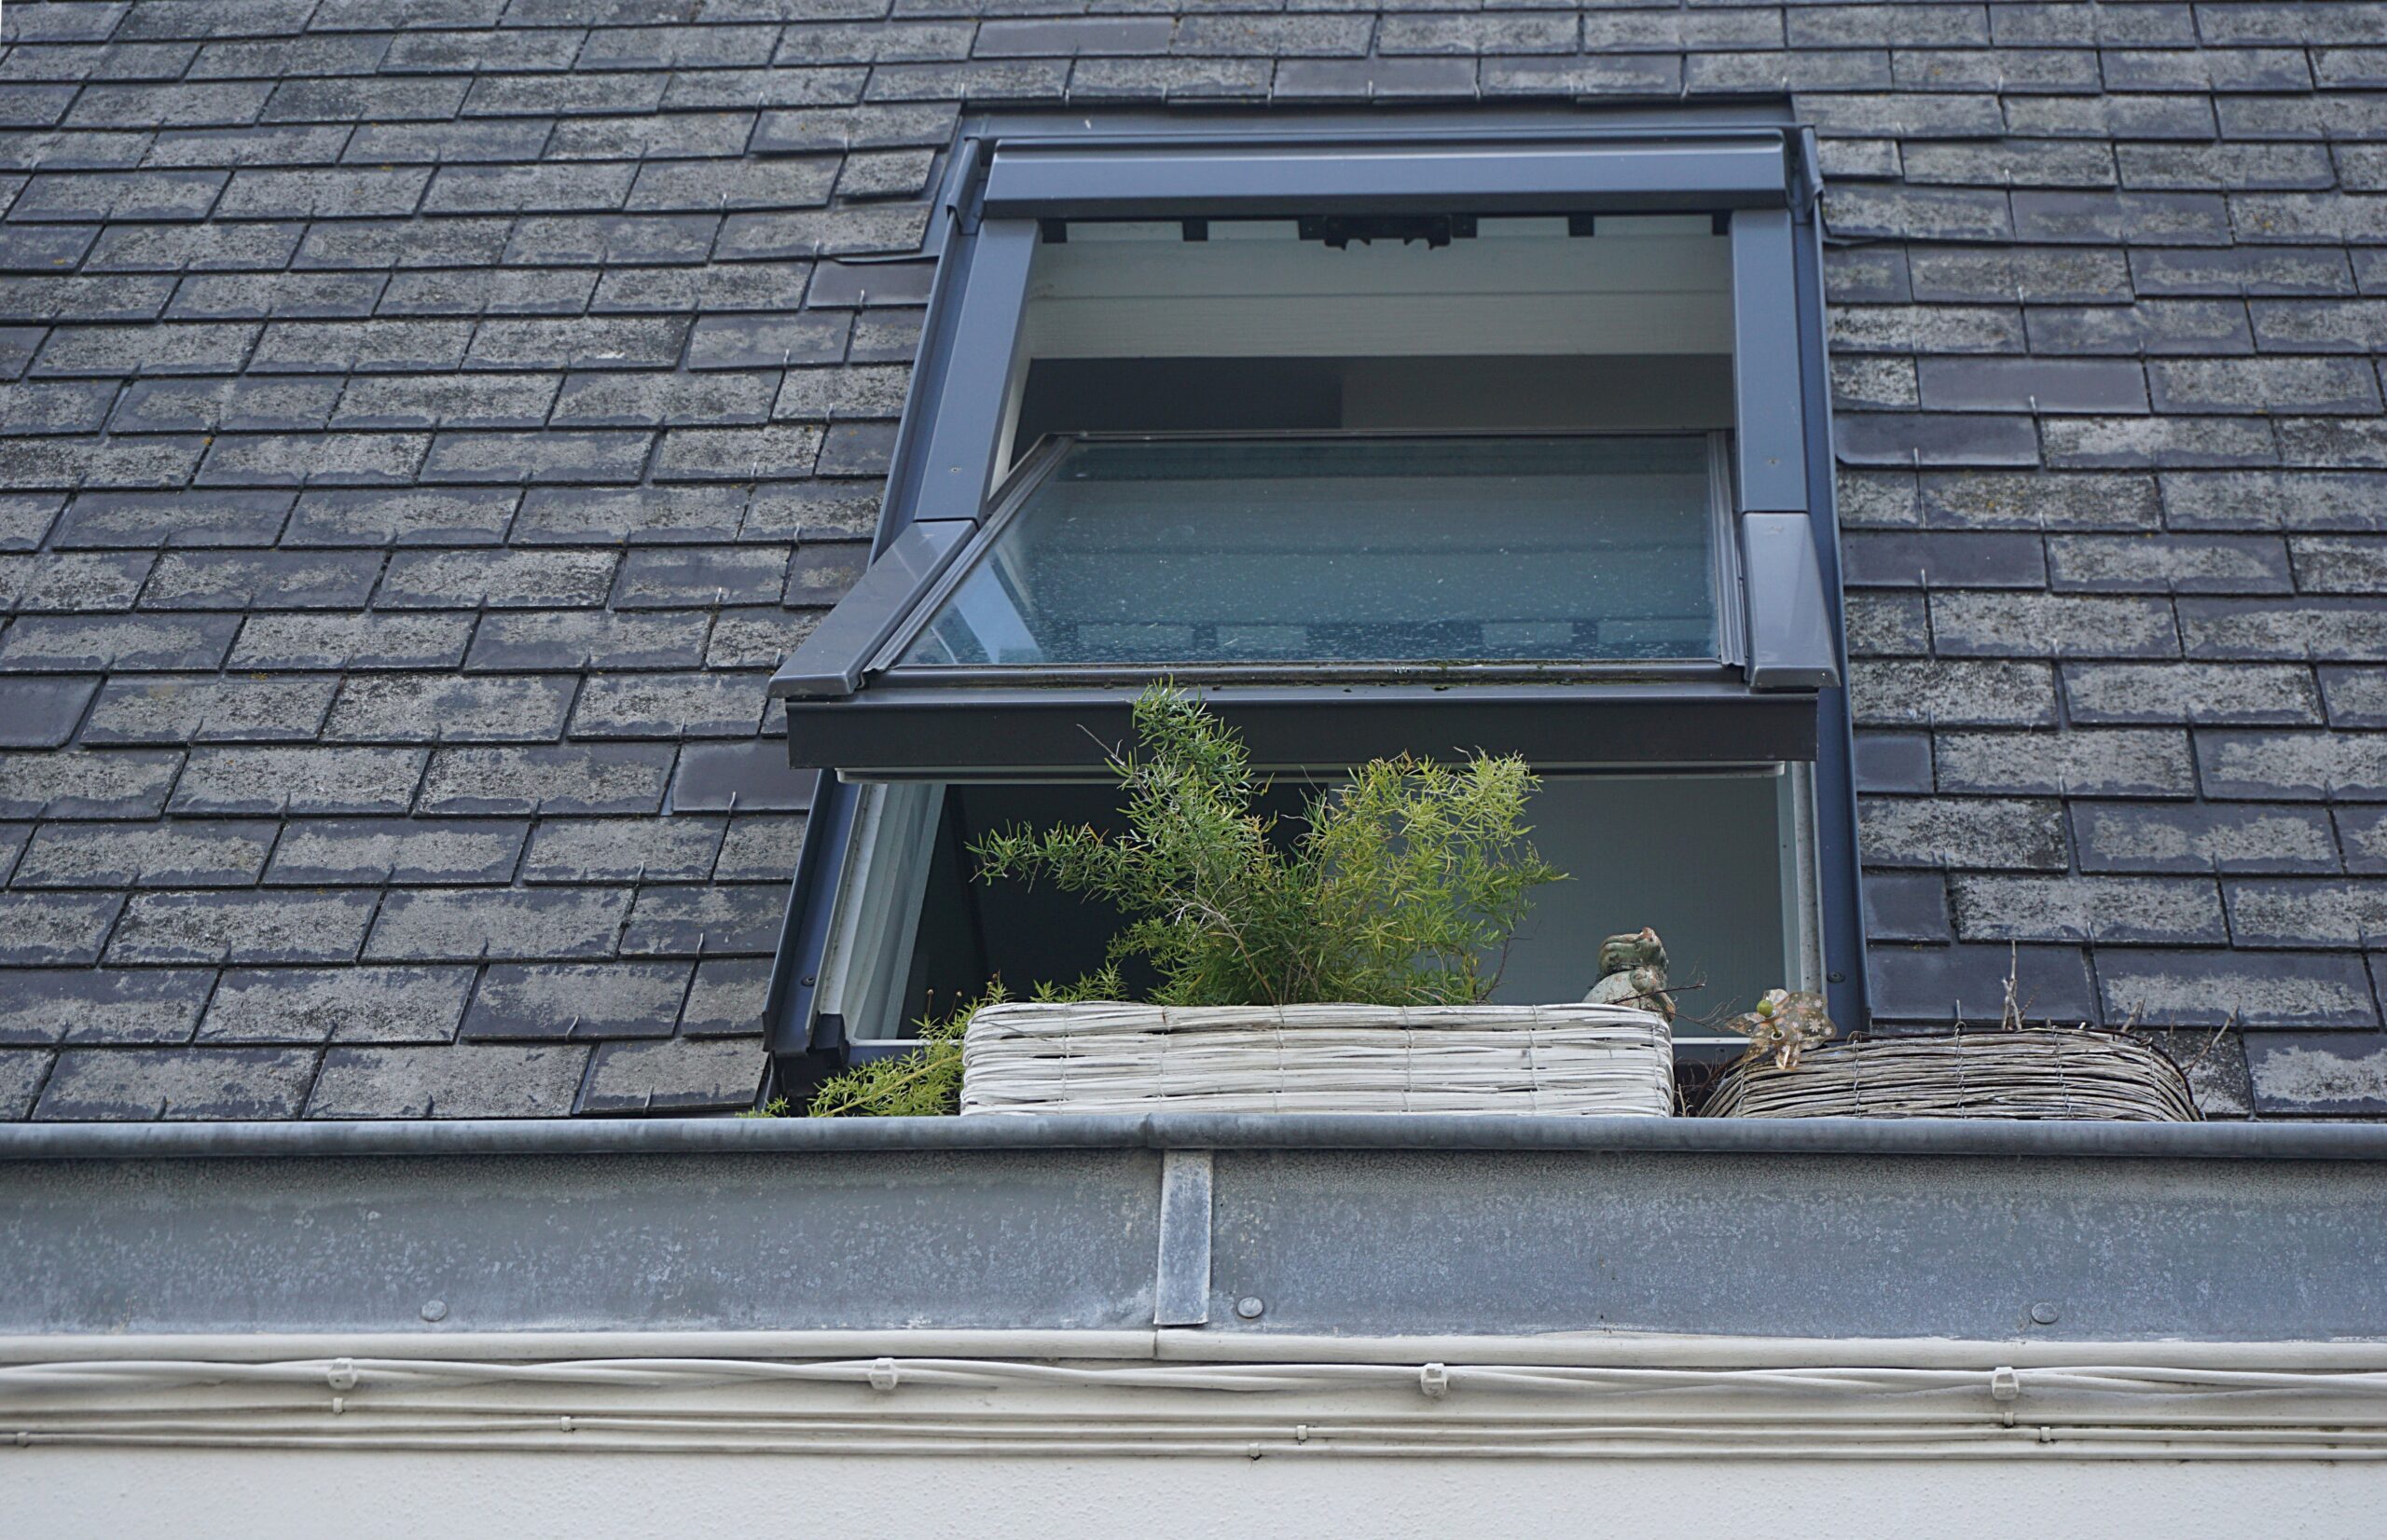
[1320, 175]
[1853, 1136]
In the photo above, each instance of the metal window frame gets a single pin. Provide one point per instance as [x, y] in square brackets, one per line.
[1037, 466]
[1752, 164]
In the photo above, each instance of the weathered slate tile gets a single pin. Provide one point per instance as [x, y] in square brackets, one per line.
[55, 930]
[505, 580]
[596, 778]
[727, 998]
[346, 1004]
[77, 784]
[2169, 564]
[2318, 1076]
[37, 712]
[2292, 766]
[1957, 693]
[209, 709]
[2078, 763]
[589, 639]
[2307, 912]
[204, 1084]
[480, 923]
[144, 644]
[241, 928]
[761, 849]
[2249, 988]
[261, 580]
[534, 1002]
[204, 853]
[730, 778]
[1986, 833]
[302, 642]
[2118, 836]
[697, 921]
[451, 708]
[2108, 911]
[679, 848]
[299, 781]
[373, 851]
[120, 1006]
[675, 1075]
[670, 705]
[1967, 985]
[465, 1080]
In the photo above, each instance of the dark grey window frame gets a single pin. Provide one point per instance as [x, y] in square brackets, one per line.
[1007, 175]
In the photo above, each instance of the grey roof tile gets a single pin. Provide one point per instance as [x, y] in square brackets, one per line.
[296, 782]
[2355, 697]
[2328, 1077]
[578, 779]
[218, 926]
[677, 848]
[1982, 833]
[539, 1002]
[198, 1083]
[348, 1005]
[729, 777]
[2250, 988]
[477, 579]
[727, 998]
[38, 713]
[451, 708]
[464, 1080]
[208, 709]
[1951, 986]
[497, 923]
[2292, 766]
[55, 930]
[208, 853]
[117, 1006]
[679, 1075]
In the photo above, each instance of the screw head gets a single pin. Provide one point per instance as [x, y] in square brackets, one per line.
[435, 1310]
[1249, 1307]
[2044, 1313]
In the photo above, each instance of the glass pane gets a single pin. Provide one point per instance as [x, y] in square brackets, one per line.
[1347, 550]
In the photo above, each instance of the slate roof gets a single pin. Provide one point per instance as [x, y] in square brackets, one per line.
[418, 446]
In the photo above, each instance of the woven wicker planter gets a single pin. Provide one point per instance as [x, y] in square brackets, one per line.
[2034, 1073]
[1104, 1056]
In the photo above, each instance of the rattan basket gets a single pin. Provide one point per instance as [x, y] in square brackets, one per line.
[1104, 1056]
[2038, 1072]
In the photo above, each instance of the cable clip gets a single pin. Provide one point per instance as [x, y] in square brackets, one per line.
[341, 1374]
[882, 1374]
[2005, 1384]
[1434, 1382]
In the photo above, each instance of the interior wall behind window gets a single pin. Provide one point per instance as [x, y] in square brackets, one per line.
[1135, 327]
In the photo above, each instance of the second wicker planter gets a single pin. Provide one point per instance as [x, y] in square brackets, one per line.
[2037, 1072]
[1106, 1056]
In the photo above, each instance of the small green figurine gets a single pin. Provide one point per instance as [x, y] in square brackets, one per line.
[1784, 1024]
[1633, 972]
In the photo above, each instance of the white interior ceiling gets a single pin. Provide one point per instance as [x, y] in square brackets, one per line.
[1520, 287]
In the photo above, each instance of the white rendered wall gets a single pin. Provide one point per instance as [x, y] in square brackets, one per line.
[200, 1494]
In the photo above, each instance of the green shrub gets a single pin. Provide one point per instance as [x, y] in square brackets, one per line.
[1398, 888]
[925, 1081]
